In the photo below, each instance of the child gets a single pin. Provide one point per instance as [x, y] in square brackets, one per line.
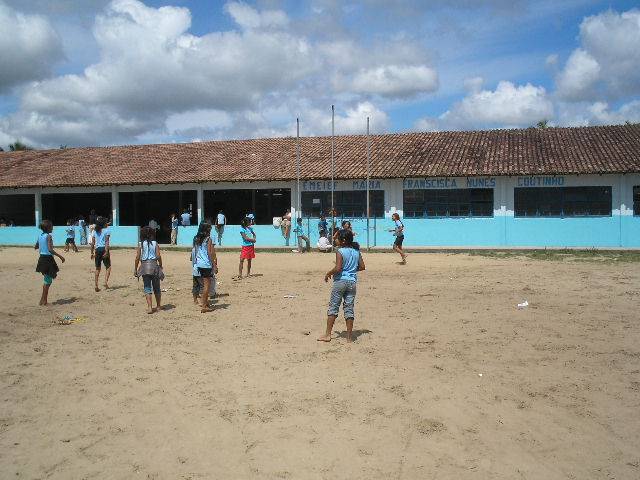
[83, 230]
[345, 225]
[206, 262]
[47, 265]
[345, 275]
[198, 284]
[324, 245]
[323, 226]
[174, 228]
[299, 231]
[100, 250]
[248, 246]
[398, 232]
[149, 260]
[71, 237]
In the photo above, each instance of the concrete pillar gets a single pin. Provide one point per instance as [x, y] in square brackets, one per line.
[38, 215]
[115, 206]
[200, 202]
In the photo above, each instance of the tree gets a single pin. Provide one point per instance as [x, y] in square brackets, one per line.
[18, 146]
[1, 149]
[543, 123]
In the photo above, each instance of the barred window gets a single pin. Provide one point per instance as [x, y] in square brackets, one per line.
[457, 202]
[562, 201]
[351, 203]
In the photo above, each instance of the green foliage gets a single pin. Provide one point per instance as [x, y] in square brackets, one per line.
[18, 146]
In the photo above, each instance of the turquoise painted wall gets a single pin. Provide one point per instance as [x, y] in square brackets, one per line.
[614, 231]
[120, 236]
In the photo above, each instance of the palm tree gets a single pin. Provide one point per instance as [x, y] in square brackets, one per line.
[18, 146]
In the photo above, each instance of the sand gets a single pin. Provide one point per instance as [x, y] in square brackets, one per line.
[447, 379]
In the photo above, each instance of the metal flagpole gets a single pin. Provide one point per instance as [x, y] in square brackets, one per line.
[333, 167]
[298, 212]
[368, 177]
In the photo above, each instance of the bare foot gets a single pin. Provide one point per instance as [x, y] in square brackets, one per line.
[97, 289]
[150, 311]
[106, 287]
[349, 340]
[324, 338]
[206, 310]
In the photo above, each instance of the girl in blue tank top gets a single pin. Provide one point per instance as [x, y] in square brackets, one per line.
[345, 276]
[206, 262]
[47, 265]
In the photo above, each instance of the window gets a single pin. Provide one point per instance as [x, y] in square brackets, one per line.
[562, 202]
[350, 204]
[636, 200]
[458, 202]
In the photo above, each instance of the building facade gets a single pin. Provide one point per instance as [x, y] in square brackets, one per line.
[522, 188]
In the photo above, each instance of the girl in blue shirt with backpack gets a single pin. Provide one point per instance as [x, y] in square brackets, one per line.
[345, 276]
[206, 262]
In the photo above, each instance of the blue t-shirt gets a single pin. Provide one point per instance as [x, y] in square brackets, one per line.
[350, 261]
[299, 230]
[71, 232]
[398, 231]
[323, 225]
[248, 231]
[43, 244]
[100, 238]
[174, 223]
[148, 250]
[186, 219]
[202, 254]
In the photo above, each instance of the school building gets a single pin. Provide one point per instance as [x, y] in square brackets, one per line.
[556, 187]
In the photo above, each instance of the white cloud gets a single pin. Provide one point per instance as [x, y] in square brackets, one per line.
[508, 105]
[608, 62]
[398, 81]
[473, 84]
[598, 113]
[579, 78]
[249, 18]
[29, 47]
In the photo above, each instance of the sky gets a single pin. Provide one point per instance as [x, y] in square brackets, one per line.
[114, 72]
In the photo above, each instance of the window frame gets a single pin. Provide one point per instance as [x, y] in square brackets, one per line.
[442, 202]
[565, 206]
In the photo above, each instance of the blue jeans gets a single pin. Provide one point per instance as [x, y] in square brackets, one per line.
[151, 284]
[343, 291]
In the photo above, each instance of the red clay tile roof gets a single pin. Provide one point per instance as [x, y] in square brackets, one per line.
[595, 150]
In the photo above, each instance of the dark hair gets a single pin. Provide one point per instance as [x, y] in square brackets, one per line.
[346, 238]
[204, 230]
[147, 234]
[101, 222]
[246, 221]
[46, 226]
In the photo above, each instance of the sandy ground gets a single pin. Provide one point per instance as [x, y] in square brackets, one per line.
[446, 380]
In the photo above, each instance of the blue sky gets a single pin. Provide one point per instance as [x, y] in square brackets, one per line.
[100, 72]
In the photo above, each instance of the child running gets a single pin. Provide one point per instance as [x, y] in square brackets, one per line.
[398, 232]
[248, 246]
[149, 260]
[206, 262]
[47, 265]
[100, 250]
[345, 276]
[71, 237]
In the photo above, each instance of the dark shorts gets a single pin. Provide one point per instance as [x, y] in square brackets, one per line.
[206, 272]
[47, 266]
[398, 241]
[70, 241]
[100, 258]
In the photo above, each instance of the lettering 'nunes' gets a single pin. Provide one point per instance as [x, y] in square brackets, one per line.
[540, 181]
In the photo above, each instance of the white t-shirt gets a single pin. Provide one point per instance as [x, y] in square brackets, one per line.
[399, 228]
[221, 219]
[186, 219]
[324, 243]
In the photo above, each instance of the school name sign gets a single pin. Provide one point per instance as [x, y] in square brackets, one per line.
[325, 185]
[442, 183]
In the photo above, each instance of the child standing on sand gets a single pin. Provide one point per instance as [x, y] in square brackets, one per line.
[345, 276]
[248, 251]
[71, 237]
[206, 262]
[398, 232]
[149, 259]
[100, 250]
[198, 284]
[47, 265]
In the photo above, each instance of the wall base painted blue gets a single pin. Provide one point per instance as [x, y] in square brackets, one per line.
[599, 232]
